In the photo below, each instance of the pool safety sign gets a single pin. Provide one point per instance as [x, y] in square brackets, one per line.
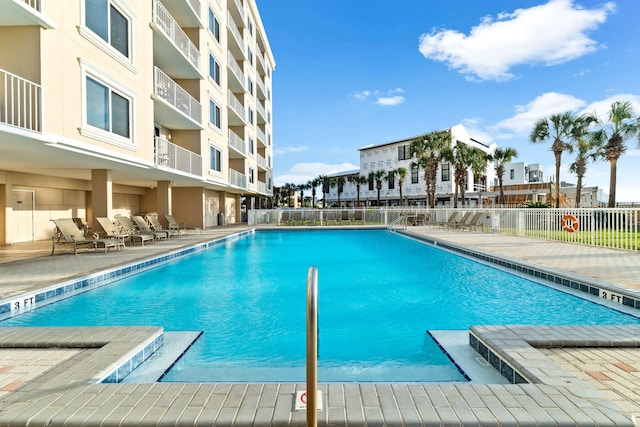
[301, 400]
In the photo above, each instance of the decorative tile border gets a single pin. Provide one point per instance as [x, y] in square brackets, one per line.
[124, 369]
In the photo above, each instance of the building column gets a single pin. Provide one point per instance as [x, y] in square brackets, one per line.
[238, 208]
[101, 194]
[222, 206]
[163, 194]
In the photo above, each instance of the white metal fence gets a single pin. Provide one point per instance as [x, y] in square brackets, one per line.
[613, 228]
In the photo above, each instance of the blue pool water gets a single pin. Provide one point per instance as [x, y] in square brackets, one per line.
[378, 295]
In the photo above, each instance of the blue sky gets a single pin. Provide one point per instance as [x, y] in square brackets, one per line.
[359, 72]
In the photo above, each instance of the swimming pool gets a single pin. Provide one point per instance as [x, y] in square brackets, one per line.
[378, 295]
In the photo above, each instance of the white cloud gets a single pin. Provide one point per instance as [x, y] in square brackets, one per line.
[304, 172]
[542, 106]
[390, 101]
[602, 107]
[382, 98]
[549, 34]
[284, 150]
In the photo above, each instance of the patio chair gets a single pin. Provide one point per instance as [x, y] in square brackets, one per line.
[142, 225]
[358, 217]
[155, 225]
[173, 224]
[459, 224]
[114, 232]
[297, 218]
[284, 218]
[344, 217]
[68, 233]
[420, 219]
[474, 222]
[310, 218]
[330, 217]
[450, 220]
[129, 227]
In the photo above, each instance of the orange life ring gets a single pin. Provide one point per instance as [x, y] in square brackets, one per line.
[570, 223]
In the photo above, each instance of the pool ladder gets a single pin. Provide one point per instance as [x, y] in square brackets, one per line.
[312, 347]
[400, 222]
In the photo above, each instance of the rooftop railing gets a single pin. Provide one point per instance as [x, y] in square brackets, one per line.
[20, 102]
[175, 95]
[168, 25]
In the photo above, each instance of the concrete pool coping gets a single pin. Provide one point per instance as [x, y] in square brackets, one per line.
[572, 402]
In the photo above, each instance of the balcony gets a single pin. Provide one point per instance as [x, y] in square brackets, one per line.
[24, 13]
[236, 111]
[262, 187]
[262, 162]
[238, 48]
[186, 12]
[174, 108]
[236, 76]
[173, 50]
[262, 137]
[238, 145]
[236, 9]
[237, 179]
[174, 157]
[262, 89]
[262, 114]
[20, 102]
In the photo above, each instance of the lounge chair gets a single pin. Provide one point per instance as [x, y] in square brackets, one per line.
[449, 221]
[142, 225]
[358, 217]
[128, 227]
[330, 217]
[112, 231]
[173, 224]
[344, 217]
[459, 224]
[474, 222]
[284, 219]
[68, 233]
[155, 225]
[297, 218]
[420, 219]
[310, 218]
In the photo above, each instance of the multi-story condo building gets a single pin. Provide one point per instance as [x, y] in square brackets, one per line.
[125, 106]
[521, 173]
[396, 154]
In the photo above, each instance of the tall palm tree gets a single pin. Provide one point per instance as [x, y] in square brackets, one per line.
[460, 157]
[501, 157]
[402, 175]
[324, 181]
[313, 184]
[289, 190]
[612, 136]
[339, 182]
[378, 176]
[586, 148]
[358, 180]
[302, 188]
[479, 161]
[428, 149]
[390, 177]
[557, 128]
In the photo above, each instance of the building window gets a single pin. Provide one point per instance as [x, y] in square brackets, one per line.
[392, 182]
[250, 175]
[251, 145]
[109, 22]
[214, 25]
[249, 85]
[216, 159]
[414, 174]
[107, 109]
[214, 69]
[446, 172]
[214, 114]
[250, 115]
[371, 182]
[512, 174]
[404, 152]
[249, 55]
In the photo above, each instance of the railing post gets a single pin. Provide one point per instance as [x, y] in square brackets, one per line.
[312, 347]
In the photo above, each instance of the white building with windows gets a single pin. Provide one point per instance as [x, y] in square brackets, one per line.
[126, 106]
[521, 173]
[393, 155]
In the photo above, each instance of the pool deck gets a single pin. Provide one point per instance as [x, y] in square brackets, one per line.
[562, 375]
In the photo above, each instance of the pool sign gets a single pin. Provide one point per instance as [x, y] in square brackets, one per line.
[301, 400]
[23, 303]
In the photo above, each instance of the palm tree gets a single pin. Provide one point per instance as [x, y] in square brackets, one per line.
[302, 188]
[358, 180]
[557, 127]
[378, 176]
[460, 157]
[586, 147]
[288, 190]
[501, 157]
[611, 138]
[339, 182]
[402, 175]
[428, 149]
[313, 184]
[391, 178]
[324, 181]
[479, 161]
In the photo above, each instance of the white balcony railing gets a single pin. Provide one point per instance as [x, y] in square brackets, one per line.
[35, 4]
[261, 136]
[195, 5]
[175, 157]
[175, 95]
[236, 32]
[237, 179]
[262, 187]
[262, 162]
[20, 102]
[237, 142]
[262, 111]
[236, 106]
[237, 71]
[163, 19]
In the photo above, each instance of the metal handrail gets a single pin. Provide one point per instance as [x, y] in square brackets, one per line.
[312, 347]
[401, 219]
